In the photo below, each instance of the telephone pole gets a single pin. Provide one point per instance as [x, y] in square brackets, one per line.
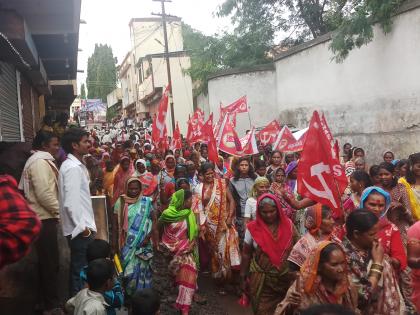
[168, 66]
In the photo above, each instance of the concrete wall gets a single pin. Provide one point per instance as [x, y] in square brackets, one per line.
[372, 99]
[259, 84]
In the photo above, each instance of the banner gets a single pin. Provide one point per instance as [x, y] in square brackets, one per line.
[284, 139]
[229, 140]
[159, 131]
[320, 175]
[195, 126]
[249, 143]
[176, 142]
[239, 106]
[211, 146]
[269, 134]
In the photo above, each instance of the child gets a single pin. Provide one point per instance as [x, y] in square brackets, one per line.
[145, 302]
[90, 301]
[114, 297]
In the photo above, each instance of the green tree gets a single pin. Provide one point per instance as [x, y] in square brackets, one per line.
[83, 91]
[210, 54]
[101, 72]
[350, 20]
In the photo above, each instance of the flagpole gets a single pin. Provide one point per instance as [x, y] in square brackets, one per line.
[249, 117]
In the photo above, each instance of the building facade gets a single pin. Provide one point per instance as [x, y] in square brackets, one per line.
[143, 72]
[36, 77]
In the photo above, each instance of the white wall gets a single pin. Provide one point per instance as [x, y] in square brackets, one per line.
[260, 88]
[114, 97]
[372, 99]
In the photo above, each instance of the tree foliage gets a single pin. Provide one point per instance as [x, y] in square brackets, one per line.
[83, 91]
[101, 72]
[210, 54]
[300, 20]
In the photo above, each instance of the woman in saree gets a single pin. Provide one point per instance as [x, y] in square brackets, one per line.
[276, 160]
[370, 268]
[323, 279]
[377, 201]
[215, 208]
[279, 187]
[359, 181]
[413, 250]
[123, 173]
[149, 182]
[133, 230]
[179, 238]
[320, 225]
[167, 173]
[411, 182]
[268, 242]
[399, 211]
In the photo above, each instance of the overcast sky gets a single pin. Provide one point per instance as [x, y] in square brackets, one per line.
[107, 23]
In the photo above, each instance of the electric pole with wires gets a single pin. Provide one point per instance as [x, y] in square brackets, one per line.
[168, 66]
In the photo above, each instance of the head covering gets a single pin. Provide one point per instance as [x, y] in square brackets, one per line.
[380, 191]
[137, 173]
[274, 247]
[388, 151]
[176, 213]
[170, 171]
[309, 272]
[313, 218]
[292, 165]
[131, 200]
[258, 181]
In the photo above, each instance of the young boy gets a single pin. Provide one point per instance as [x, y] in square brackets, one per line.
[114, 298]
[145, 302]
[90, 301]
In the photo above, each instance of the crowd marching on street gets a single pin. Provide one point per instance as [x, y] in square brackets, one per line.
[290, 225]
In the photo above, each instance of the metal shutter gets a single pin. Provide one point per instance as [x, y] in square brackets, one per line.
[27, 109]
[9, 110]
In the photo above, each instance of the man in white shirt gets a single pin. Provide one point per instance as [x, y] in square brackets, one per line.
[76, 210]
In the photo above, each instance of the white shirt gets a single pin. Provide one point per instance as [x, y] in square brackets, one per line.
[87, 302]
[76, 210]
[251, 208]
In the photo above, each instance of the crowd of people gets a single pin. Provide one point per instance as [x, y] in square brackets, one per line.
[241, 220]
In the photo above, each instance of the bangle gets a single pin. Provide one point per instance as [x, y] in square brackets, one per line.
[375, 270]
[377, 266]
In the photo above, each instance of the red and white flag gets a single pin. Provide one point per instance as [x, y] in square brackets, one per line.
[159, 123]
[195, 126]
[211, 145]
[284, 139]
[269, 134]
[320, 175]
[249, 143]
[176, 142]
[229, 140]
[238, 106]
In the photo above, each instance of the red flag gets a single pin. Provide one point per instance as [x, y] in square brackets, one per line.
[320, 175]
[269, 134]
[249, 143]
[195, 126]
[176, 142]
[159, 123]
[239, 106]
[211, 146]
[284, 139]
[229, 141]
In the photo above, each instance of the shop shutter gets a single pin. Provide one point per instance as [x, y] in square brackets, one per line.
[27, 109]
[9, 110]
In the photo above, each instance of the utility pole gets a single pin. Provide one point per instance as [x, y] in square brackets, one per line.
[168, 66]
